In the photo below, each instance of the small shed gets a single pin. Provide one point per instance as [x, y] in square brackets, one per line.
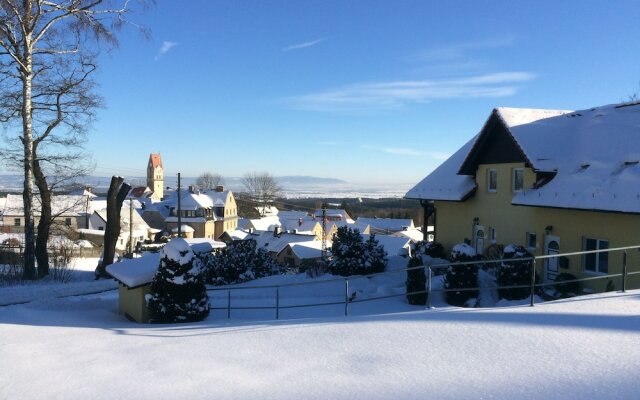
[134, 278]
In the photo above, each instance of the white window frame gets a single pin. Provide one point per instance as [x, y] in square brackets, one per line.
[514, 172]
[492, 171]
[597, 256]
[528, 237]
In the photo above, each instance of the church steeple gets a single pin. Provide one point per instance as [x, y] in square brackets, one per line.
[155, 175]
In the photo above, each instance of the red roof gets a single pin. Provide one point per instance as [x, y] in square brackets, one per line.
[156, 160]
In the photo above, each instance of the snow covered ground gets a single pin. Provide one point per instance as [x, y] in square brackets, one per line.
[79, 347]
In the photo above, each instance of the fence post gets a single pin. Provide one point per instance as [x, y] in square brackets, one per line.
[346, 297]
[229, 304]
[624, 271]
[277, 302]
[533, 280]
[429, 287]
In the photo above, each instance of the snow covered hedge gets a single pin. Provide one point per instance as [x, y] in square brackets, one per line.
[178, 292]
[462, 277]
[515, 273]
[239, 262]
[416, 282]
[353, 256]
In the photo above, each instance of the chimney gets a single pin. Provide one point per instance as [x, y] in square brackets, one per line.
[276, 231]
[299, 221]
[219, 188]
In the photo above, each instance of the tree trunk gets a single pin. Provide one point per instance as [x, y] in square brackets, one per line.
[118, 191]
[46, 219]
[27, 141]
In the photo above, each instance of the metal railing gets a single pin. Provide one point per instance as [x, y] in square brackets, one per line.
[349, 297]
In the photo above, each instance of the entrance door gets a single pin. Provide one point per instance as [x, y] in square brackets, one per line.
[551, 247]
[478, 238]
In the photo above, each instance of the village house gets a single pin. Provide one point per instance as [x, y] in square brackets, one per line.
[70, 212]
[203, 214]
[553, 181]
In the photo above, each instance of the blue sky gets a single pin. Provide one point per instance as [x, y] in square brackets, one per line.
[366, 91]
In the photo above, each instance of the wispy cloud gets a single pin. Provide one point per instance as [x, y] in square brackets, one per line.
[459, 51]
[407, 151]
[304, 45]
[396, 94]
[164, 49]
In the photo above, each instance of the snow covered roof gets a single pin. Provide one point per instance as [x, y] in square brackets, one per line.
[593, 156]
[204, 245]
[276, 243]
[387, 224]
[415, 235]
[444, 183]
[333, 213]
[393, 245]
[136, 271]
[61, 205]
[306, 250]
[183, 229]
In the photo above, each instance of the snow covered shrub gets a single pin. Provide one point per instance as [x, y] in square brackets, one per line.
[352, 256]
[462, 277]
[515, 273]
[432, 249]
[239, 262]
[177, 292]
[566, 289]
[416, 282]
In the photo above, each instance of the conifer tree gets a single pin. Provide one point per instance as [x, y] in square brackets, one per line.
[178, 292]
[376, 256]
[348, 252]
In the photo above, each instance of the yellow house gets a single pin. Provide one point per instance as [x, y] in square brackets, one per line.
[553, 181]
[209, 214]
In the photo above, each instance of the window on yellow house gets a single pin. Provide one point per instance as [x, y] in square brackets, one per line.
[517, 179]
[492, 180]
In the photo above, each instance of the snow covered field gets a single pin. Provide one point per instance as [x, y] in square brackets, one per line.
[79, 348]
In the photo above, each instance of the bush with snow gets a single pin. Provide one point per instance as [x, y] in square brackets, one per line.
[352, 256]
[239, 262]
[431, 249]
[515, 273]
[178, 292]
[416, 282]
[463, 277]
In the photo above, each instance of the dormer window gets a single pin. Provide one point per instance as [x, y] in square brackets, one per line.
[517, 179]
[492, 180]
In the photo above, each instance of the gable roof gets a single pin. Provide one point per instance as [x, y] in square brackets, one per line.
[594, 155]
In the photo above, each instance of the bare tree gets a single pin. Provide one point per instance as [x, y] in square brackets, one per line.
[45, 63]
[262, 188]
[208, 181]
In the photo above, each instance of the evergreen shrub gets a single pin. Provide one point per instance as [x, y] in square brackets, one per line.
[462, 277]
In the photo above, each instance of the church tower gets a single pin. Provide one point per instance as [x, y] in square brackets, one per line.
[155, 176]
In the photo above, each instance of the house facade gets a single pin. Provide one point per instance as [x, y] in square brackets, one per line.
[553, 181]
[209, 214]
